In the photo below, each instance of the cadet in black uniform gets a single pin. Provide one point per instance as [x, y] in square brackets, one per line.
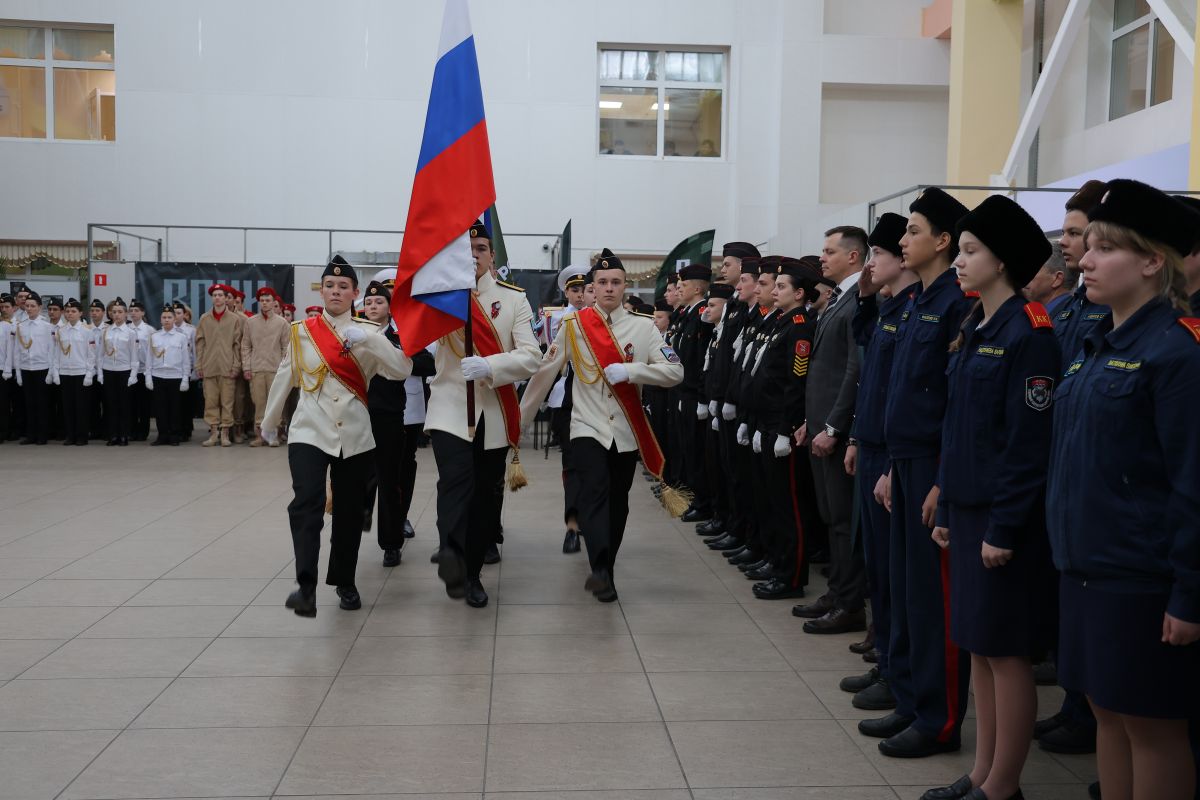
[929, 673]
[723, 536]
[991, 509]
[691, 345]
[673, 471]
[1124, 514]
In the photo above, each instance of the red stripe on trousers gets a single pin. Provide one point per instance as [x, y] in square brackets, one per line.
[796, 518]
[951, 652]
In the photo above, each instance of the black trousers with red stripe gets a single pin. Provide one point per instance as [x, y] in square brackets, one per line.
[785, 536]
[929, 673]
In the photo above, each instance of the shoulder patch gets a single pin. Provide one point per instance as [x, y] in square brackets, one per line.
[798, 319]
[512, 286]
[1039, 317]
[640, 314]
[367, 322]
[1193, 326]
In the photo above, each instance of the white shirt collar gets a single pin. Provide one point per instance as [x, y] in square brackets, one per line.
[846, 284]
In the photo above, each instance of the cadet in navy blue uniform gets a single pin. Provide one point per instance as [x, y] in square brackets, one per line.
[1081, 313]
[929, 674]
[1191, 260]
[991, 507]
[876, 322]
[1127, 540]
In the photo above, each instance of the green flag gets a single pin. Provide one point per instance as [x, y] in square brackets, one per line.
[564, 250]
[491, 220]
[695, 249]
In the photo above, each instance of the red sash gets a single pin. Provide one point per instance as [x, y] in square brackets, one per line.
[606, 350]
[487, 343]
[336, 356]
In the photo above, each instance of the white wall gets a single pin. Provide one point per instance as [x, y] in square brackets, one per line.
[306, 113]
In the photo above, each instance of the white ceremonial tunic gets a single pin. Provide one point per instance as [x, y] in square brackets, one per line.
[169, 355]
[595, 412]
[75, 352]
[329, 416]
[117, 349]
[8, 341]
[518, 358]
[33, 343]
[143, 330]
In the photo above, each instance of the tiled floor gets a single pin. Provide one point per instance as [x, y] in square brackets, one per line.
[145, 653]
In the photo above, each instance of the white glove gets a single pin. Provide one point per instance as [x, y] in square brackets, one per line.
[50, 378]
[743, 434]
[100, 377]
[132, 379]
[475, 368]
[714, 424]
[783, 446]
[701, 411]
[714, 408]
[271, 434]
[183, 385]
[17, 372]
[87, 380]
[757, 441]
[616, 373]
[354, 335]
[679, 406]
[728, 412]
[6, 375]
[150, 382]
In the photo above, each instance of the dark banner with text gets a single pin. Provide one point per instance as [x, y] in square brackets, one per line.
[159, 282]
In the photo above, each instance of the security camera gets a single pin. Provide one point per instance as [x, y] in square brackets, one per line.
[545, 247]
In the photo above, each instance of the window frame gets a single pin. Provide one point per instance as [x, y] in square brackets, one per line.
[49, 63]
[662, 86]
[1149, 19]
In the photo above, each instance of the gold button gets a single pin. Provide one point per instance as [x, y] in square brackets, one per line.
[339, 423]
[611, 417]
[335, 398]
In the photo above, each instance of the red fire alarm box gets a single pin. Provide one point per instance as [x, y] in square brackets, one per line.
[101, 279]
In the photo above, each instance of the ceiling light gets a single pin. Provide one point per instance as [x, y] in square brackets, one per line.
[666, 107]
[610, 103]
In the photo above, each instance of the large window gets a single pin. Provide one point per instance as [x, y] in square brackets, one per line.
[1143, 59]
[662, 103]
[57, 83]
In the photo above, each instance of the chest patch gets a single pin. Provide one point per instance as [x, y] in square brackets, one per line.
[1096, 315]
[888, 327]
[669, 354]
[1039, 392]
[930, 317]
[1075, 366]
[1123, 365]
[803, 347]
[994, 351]
[495, 309]
[629, 353]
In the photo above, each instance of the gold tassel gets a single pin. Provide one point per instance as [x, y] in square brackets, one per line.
[675, 501]
[515, 474]
[328, 497]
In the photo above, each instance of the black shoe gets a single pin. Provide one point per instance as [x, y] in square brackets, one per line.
[871, 657]
[885, 727]
[81, 442]
[1044, 726]
[173, 443]
[1094, 790]
[954, 791]
[110, 443]
[856, 683]
[876, 697]
[823, 605]
[476, 596]
[726, 544]
[408, 530]
[433, 559]
[391, 557]
[1045, 673]
[571, 541]
[124, 442]
[744, 558]
[33, 441]
[695, 515]
[608, 595]
[492, 556]
[753, 566]
[598, 581]
[304, 603]
[155, 443]
[349, 599]
[763, 573]
[911, 743]
[777, 590]
[732, 554]
[719, 536]
[69, 442]
[710, 528]
[368, 518]
[867, 644]
[453, 572]
[1072, 737]
[839, 620]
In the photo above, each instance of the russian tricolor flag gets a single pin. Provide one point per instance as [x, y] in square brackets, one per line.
[452, 188]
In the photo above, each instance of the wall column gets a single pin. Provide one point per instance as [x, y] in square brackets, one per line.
[1194, 161]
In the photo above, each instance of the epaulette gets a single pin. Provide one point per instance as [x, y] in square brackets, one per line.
[512, 286]
[798, 319]
[1193, 326]
[1039, 317]
[367, 322]
[971, 294]
[640, 314]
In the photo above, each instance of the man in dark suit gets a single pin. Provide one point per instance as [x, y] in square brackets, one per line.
[829, 410]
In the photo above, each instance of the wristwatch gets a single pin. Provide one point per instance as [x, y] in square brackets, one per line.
[831, 431]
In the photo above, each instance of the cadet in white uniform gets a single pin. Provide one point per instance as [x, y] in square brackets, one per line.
[168, 372]
[116, 368]
[331, 361]
[604, 447]
[9, 391]
[470, 470]
[73, 365]
[141, 405]
[31, 365]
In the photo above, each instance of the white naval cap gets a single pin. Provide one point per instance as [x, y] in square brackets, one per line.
[570, 272]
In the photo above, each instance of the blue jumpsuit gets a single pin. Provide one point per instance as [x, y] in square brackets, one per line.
[1124, 523]
[995, 449]
[930, 674]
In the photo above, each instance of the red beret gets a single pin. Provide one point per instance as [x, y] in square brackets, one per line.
[314, 308]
